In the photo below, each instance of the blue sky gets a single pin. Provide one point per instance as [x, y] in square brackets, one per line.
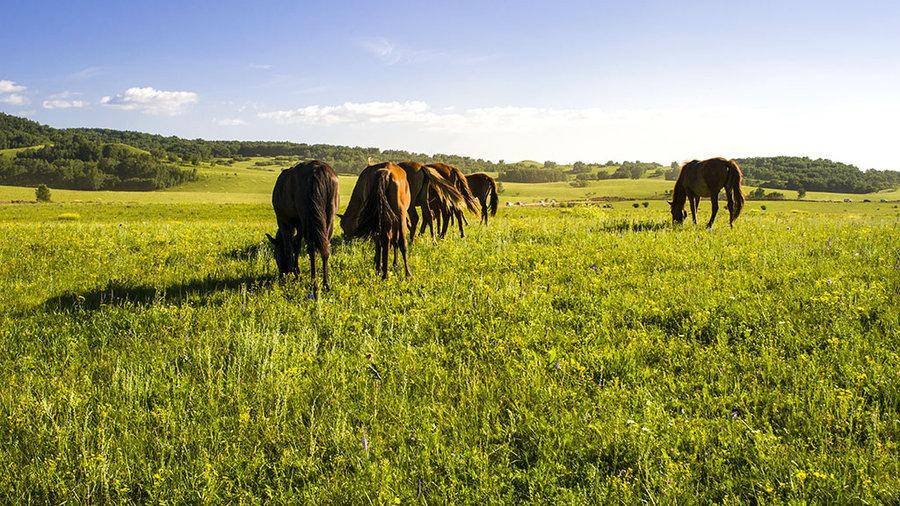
[647, 80]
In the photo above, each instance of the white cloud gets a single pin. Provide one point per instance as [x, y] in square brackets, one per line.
[10, 87]
[14, 99]
[486, 119]
[352, 112]
[59, 103]
[152, 101]
[261, 66]
[230, 122]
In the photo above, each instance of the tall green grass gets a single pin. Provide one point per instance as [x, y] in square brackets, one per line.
[558, 355]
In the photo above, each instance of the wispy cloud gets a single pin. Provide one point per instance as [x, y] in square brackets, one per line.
[393, 53]
[152, 101]
[261, 66]
[493, 119]
[14, 99]
[86, 73]
[64, 100]
[229, 122]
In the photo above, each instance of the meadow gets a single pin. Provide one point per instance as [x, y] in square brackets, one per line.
[568, 354]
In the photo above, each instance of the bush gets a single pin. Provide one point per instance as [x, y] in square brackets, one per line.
[42, 193]
[578, 183]
[645, 204]
[635, 205]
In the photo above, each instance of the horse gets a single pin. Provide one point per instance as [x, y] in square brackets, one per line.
[485, 190]
[426, 185]
[383, 213]
[458, 179]
[305, 200]
[706, 179]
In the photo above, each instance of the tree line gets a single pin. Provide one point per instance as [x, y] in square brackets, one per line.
[803, 173]
[67, 162]
[75, 162]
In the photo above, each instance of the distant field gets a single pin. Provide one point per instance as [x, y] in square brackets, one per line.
[244, 183]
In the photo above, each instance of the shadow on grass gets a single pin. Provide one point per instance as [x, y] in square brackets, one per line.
[635, 226]
[116, 293]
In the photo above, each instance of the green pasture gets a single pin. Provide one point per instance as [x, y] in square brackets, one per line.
[559, 355]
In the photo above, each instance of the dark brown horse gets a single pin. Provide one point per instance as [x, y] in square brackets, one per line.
[383, 213]
[706, 179]
[305, 199]
[425, 185]
[485, 190]
[458, 179]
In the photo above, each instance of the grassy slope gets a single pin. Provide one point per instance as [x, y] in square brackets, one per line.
[554, 356]
[244, 182]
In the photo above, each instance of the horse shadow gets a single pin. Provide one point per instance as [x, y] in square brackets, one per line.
[117, 293]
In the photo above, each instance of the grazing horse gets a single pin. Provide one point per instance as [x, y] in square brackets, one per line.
[426, 184]
[458, 179]
[305, 199]
[485, 190]
[383, 213]
[706, 179]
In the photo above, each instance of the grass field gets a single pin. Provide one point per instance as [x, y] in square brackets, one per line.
[246, 183]
[575, 354]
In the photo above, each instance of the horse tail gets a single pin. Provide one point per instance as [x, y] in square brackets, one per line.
[318, 213]
[377, 216]
[733, 179]
[494, 200]
[462, 184]
[444, 191]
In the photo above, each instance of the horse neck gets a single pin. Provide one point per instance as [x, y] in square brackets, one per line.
[679, 195]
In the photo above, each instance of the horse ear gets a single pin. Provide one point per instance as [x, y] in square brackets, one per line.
[271, 239]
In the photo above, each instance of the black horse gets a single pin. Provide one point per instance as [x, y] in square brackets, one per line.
[305, 199]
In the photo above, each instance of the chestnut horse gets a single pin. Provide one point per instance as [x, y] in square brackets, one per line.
[458, 179]
[426, 184]
[305, 199]
[706, 179]
[485, 190]
[383, 215]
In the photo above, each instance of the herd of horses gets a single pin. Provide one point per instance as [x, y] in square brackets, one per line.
[388, 198]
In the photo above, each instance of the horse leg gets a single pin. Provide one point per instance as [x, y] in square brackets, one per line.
[378, 255]
[413, 221]
[385, 246]
[429, 214]
[312, 273]
[395, 254]
[693, 209]
[715, 209]
[403, 252]
[326, 284]
[459, 220]
[484, 210]
[445, 222]
[730, 197]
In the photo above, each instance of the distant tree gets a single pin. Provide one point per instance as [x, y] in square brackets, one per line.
[801, 193]
[550, 164]
[757, 194]
[635, 205]
[42, 193]
[645, 204]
